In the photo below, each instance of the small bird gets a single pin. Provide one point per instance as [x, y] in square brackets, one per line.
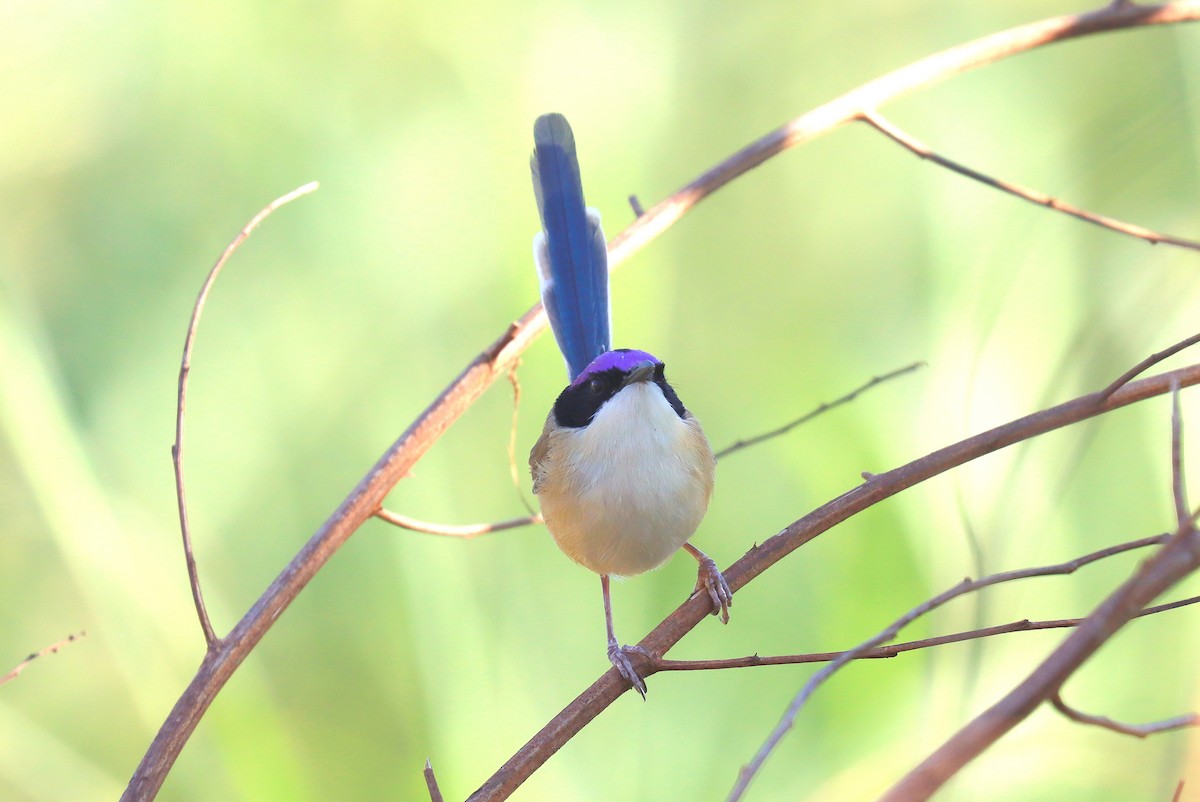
[623, 471]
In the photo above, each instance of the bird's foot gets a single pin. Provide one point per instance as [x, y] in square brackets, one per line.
[712, 581]
[619, 657]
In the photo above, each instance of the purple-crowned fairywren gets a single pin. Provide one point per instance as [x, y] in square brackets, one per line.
[623, 471]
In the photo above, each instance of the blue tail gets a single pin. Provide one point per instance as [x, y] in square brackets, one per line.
[571, 254]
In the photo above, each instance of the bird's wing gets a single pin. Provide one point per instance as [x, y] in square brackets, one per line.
[539, 453]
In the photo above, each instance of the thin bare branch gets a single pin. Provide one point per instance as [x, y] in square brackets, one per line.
[894, 649]
[787, 721]
[53, 648]
[824, 407]
[920, 149]
[591, 702]
[466, 531]
[1158, 608]
[435, 793]
[1148, 363]
[185, 366]
[1136, 730]
[512, 443]
[219, 665]
[471, 531]
[870, 96]
[1183, 515]
[1178, 558]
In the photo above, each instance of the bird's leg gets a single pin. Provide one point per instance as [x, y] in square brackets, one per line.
[713, 582]
[616, 652]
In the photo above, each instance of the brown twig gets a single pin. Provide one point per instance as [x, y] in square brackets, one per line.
[1184, 520]
[53, 648]
[787, 721]
[870, 96]
[470, 531]
[466, 531]
[362, 503]
[1148, 363]
[1179, 557]
[610, 686]
[475, 530]
[1136, 730]
[823, 408]
[185, 366]
[895, 649]
[1178, 490]
[920, 149]
[512, 444]
[435, 793]
[218, 665]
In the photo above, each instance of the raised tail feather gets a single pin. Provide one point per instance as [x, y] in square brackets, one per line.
[570, 254]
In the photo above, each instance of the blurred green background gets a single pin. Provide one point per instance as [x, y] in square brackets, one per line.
[136, 138]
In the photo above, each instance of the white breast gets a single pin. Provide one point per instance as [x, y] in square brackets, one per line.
[624, 493]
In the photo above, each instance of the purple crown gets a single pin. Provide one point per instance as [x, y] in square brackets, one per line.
[624, 360]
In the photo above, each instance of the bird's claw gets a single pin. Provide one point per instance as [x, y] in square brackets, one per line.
[619, 657]
[712, 581]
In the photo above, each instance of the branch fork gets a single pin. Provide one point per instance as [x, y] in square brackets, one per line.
[224, 655]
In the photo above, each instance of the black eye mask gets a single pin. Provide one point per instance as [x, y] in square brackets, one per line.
[578, 404]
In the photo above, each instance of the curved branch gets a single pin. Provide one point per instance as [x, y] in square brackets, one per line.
[1136, 730]
[868, 97]
[367, 497]
[1178, 489]
[610, 686]
[1175, 560]
[923, 151]
[787, 721]
[465, 531]
[185, 366]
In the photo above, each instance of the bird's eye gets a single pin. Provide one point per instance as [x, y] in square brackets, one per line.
[596, 386]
